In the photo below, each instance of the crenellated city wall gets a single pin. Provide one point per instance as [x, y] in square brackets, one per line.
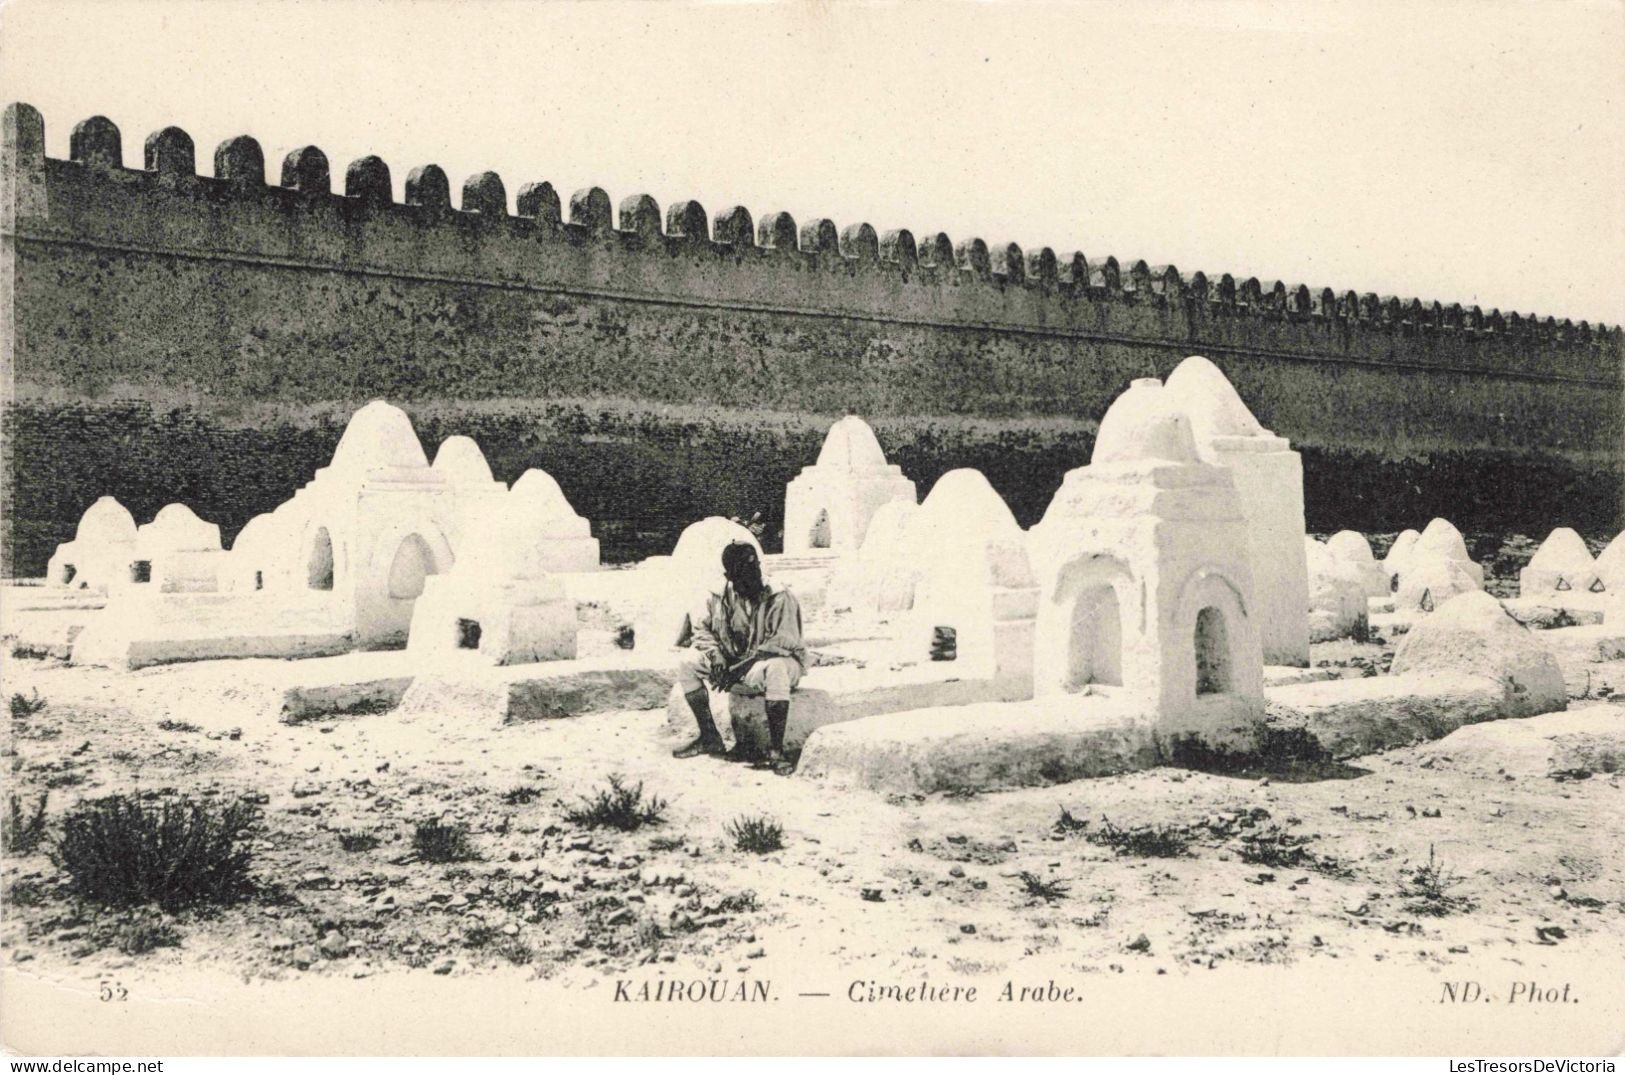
[178, 336]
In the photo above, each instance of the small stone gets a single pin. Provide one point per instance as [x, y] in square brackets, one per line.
[334, 945]
[967, 928]
[305, 956]
[1142, 943]
[445, 966]
[756, 953]
[1356, 907]
[1556, 892]
[957, 871]
[511, 930]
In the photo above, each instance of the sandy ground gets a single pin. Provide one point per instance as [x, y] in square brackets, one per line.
[920, 885]
[1311, 873]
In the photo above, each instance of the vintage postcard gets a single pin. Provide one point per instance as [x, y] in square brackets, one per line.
[812, 528]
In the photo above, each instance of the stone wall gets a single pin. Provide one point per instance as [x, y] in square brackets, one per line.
[176, 336]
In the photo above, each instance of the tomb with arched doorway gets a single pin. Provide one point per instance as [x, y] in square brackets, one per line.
[341, 565]
[828, 506]
[1268, 478]
[99, 557]
[501, 602]
[974, 597]
[1145, 580]
[175, 553]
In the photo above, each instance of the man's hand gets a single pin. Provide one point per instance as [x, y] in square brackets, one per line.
[731, 675]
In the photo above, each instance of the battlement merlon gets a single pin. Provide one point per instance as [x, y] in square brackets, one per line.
[92, 198]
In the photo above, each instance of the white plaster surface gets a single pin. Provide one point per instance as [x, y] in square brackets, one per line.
[829, 505]
[1561, 565]
[1268, 477]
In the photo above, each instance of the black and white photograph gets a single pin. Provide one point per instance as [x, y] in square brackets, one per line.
[812, 528]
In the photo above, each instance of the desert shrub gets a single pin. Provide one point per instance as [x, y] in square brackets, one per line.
[23, 708]
[181, 852]
[1142, 841]
[481, 936]
[666, 843]
[521, 794]
[1274, 846]
[514, 950]
[618, 807]
[24, 830]
[1048, 891]
[437, 841]
[1069, 823]
[1428, 889]
[757, 835]
[168, 725]
[356, 842]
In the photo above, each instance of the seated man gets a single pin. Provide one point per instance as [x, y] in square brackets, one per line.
[748, 639]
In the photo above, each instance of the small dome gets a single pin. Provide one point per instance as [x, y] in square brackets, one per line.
[1211, 401]
[1611, 564]
[888, 527]
[963, 504]
[1351, 547]
[1564, 552]
[1400, 549]
[256, 533]
[378, 435]
[1144, 424]
[1440, 540]
[699, 548]
[537, 504]
[106, 521]
[177, 526]
[462, 462]
[851, 445]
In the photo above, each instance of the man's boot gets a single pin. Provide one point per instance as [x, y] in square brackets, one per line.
[778, 718]
[710, 740]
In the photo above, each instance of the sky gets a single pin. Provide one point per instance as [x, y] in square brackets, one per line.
[1458, 152]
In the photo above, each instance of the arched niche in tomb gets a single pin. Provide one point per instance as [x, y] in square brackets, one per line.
[1220, 637]
[1212, 648]
[819, 538]
[320, 568]
[1080, 623]
[413, 564]
[393, 577]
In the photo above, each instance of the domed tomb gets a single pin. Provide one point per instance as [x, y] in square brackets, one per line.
[177, 553]
[829, 505]
[501, 601]
[377, 437]
[1268, 476]
[1353, 549]
[1562, 564]
[1338, 606]
[101, 552]
[974, 594]
[1145, 579]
